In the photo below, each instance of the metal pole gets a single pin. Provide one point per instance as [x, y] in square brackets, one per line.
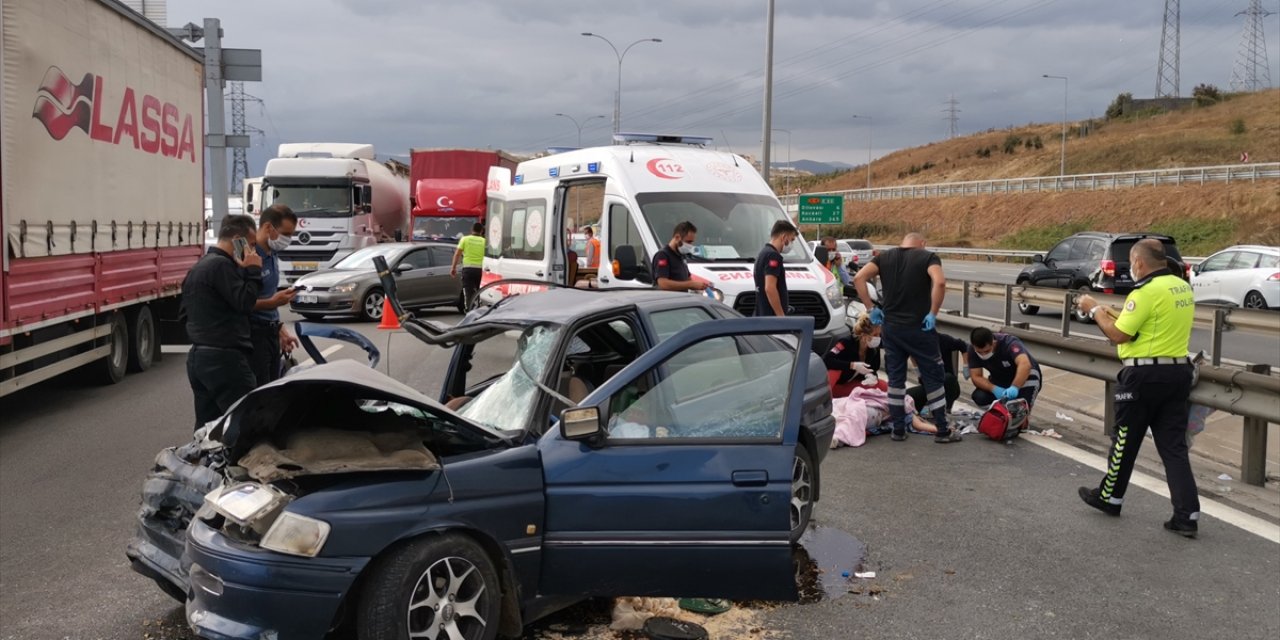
[869, 120]
[216, 129]
[1253, 446]
[1062, 168]
[768, 96]
[617, 96]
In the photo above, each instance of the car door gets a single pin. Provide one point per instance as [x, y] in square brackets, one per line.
[1051, 275]
[413, 272]
[1235, 280]
[688, 493]
[626, 262]
[1206, 281]
[440, 286]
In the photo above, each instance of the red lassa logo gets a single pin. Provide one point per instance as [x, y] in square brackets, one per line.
[62, 106]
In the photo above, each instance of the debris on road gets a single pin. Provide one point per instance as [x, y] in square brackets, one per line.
[1064, 417]
[867, 575]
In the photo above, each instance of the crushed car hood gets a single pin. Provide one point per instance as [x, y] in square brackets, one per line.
[257, 415]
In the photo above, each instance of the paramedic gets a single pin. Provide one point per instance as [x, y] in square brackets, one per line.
[1011, 372]
[770, 273]
[471, 253]
[854, 358]
[269, 336]
[593, 249]
[670, 272]
[1151, 336]
[913, 289]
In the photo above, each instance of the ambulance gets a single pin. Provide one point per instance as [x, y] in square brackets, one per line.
[638, 190]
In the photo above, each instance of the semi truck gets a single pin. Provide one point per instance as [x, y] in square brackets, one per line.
[344, 197]
[101, 187]
[448, 187]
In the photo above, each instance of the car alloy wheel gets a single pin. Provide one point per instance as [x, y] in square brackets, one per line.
[371, 306]
[801, 491]
[1080, 316]
[1254, 300]
[448, 601]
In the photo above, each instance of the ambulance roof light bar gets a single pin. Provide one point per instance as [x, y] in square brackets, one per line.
[661, 138]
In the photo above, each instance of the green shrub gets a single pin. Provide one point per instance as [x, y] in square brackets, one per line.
[1120, 107]
[1237, 126]
[1206, 95]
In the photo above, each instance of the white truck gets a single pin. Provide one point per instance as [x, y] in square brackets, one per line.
[344, 198]
[639, 191]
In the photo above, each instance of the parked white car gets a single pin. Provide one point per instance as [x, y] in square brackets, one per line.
[862, 250]
[1243, 276]
[846, 252]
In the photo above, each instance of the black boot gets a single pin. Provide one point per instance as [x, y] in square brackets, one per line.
[1184, 528]
[1092, 498]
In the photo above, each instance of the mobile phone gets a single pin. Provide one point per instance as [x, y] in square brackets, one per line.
[240, 245]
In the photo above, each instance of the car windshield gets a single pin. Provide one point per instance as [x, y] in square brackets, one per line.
[314, 201]
[860, 245]
[434, 228]
[732, 227]
[505, 404]
[363, 259]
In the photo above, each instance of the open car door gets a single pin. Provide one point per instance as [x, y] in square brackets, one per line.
[684, 488]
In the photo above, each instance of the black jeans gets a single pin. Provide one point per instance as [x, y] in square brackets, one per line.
[949, 384]
[218, 377]
[265, 360]
[1153, 396]
[470, 277]
[900, 342]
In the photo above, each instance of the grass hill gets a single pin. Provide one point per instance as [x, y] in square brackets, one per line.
[1203, 218]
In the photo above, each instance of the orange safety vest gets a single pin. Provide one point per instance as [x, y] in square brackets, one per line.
[594, 260]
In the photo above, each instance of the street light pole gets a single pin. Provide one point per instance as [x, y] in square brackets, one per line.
[617, 96]
[768, 96]
[1062, 169]
[869, 123]
[579, 126]
[790, 168]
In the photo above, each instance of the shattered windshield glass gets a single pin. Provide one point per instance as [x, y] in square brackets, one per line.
[505, 405]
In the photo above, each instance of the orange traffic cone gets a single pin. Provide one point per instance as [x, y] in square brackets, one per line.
[389, 319]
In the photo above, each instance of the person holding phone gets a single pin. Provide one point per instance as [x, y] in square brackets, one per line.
[218, 295]
[270, 338]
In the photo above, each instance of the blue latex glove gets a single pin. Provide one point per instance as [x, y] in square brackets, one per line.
[877, 316]
[1011, 392]
[998, 392]
[930, 321]
[964, 373]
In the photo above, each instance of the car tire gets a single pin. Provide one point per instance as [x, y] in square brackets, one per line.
[1077, 315]
[1024, 308]
[803, 479]
[446, 583]
[142, 338]
[312, 317]
[1254, 300]
[371, 305]
[112, 368]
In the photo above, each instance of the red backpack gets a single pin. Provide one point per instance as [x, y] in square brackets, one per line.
[1005, 419]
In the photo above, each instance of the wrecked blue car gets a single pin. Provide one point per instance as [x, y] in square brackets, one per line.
[584, 444]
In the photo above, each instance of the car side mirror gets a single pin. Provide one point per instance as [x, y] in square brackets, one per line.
[581, 423]
[1196, 268]
[1037, 259]
[402, 268]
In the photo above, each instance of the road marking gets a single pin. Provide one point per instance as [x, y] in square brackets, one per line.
[1252, 524]
[326, 353]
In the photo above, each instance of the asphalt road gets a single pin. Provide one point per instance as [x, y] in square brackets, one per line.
[970, 540]
[1241, 346]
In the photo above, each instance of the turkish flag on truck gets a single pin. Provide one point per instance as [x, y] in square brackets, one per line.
[449, 196]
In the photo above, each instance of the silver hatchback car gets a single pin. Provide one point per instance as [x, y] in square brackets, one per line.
[351, 286]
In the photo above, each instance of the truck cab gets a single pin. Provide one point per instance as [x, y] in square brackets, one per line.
[638, 191]
[344, 199]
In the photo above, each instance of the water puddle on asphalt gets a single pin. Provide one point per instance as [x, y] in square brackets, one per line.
[826, 563]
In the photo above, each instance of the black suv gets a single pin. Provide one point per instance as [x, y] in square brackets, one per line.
[1092, 261]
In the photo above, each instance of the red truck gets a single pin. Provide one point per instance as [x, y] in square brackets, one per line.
[448, 189]
[101, 187]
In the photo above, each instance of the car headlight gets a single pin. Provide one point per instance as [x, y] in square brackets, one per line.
[344, 288]
[296, 535]
[247, 502]
[834, 295]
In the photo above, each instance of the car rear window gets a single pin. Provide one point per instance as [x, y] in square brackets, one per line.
[860, 245]
[1120, 249]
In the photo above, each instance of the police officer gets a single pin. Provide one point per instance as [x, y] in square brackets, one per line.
[1010, 370]
[670, 272]
[471, 253]
[1151, 336]
[770, 274]
[269, 336]
[218, 295]
[914, 288]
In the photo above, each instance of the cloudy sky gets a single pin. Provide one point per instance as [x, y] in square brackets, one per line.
[492, 73]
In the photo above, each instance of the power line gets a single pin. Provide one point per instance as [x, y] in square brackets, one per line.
[1167, 70]
[1252, 71]
[953, 116]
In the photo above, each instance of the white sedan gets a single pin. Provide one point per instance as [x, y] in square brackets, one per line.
[1243, 276]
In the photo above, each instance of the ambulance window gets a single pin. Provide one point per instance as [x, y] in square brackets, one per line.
[626, 246]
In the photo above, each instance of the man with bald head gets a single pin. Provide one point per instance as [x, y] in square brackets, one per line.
[1151, 336]
[913, 288]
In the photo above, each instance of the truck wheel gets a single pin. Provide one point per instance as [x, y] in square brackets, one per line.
[142, 338]
[111, 369]
[371, 305]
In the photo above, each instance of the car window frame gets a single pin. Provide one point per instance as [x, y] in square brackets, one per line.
[1253, 264]
[1228, 256]
[423, 251]
[1069, 243]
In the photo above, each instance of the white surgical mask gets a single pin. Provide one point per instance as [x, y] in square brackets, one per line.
[686, 249]
[279, 243]
[873, 342]
[986, 356]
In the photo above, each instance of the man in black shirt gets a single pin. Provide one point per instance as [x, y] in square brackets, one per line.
[913, 290]
[670, 272]
[217, 297]
[1012, 371]
[770, 274]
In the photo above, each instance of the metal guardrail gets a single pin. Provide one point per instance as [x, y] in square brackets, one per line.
[1005, 253]
[1249, 390]
[1078, 182]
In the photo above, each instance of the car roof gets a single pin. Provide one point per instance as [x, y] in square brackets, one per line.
[1252, 247]
[563, 305]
